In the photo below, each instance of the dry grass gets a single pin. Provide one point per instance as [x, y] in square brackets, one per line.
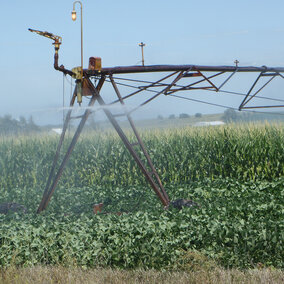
[57, 274]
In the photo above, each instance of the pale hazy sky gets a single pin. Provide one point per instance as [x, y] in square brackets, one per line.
[175, 32]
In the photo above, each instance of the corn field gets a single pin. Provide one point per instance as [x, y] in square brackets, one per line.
[180, 156]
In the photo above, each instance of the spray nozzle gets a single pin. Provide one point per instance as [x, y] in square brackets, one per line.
[57, 39]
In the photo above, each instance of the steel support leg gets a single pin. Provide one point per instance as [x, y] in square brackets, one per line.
[56, 157]
[151, 176]
[50, 189]
[158, 188]
[140, 142]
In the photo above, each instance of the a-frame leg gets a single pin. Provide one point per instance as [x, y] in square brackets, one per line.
[148, 170]
[151, 175]
[56, 157]
[54, 178]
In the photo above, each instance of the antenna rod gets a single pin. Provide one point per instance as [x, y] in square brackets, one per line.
[141, 44]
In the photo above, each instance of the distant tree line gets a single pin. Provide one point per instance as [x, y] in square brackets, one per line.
[8, 125]
[231, 115]
[181, 115]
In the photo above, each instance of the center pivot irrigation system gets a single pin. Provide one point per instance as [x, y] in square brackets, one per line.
[89, 83]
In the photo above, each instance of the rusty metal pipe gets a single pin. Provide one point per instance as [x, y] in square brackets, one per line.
[60, 68]
[169, 68]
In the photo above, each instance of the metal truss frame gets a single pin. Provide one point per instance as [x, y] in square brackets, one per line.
[169, 85]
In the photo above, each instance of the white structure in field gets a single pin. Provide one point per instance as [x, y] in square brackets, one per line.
[209, 123]
[57, 130]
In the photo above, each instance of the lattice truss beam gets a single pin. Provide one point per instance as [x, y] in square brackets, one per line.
[193, 79]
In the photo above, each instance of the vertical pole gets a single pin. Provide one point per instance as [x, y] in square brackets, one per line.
[81, 39]
[142, 49]
[63, 99]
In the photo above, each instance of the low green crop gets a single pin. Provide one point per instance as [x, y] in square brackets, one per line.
[236, 225]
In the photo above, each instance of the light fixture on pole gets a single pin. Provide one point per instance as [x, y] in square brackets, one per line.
[74, 17]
